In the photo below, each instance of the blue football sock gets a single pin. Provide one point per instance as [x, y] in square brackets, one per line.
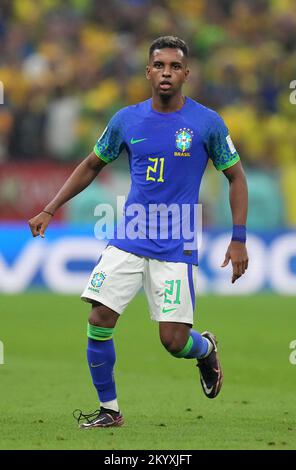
[196, 347]
[101, 359]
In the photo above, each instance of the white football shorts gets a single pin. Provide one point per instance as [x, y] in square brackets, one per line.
[170, 287]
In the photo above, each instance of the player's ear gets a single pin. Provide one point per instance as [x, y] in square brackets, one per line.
[148, 69]
[186, 74]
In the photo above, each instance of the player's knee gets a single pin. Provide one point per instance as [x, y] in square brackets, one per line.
[172, 343]
[102, 316]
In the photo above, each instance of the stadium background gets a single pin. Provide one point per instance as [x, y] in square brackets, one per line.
[66, 67]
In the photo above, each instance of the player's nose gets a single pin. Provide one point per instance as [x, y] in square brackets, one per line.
[166, 72]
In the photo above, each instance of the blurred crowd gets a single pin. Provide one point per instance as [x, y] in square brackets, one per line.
[68, 65]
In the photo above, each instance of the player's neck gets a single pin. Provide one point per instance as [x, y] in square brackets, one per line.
[168, 104]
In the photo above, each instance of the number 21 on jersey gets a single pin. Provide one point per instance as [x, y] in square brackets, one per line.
[156, 170]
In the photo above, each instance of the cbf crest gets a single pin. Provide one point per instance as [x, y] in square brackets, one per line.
[184, 139]
[98, 279]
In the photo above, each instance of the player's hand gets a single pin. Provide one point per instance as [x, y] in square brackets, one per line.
[238, 255]
[39, 223]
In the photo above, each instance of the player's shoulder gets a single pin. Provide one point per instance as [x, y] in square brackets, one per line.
[141, 107]
[133, 111]
[204, 112]
[206, 120]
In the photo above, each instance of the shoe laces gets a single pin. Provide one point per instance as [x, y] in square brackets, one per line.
[89, 417]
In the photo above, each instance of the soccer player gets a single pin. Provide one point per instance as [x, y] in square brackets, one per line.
[168, 139]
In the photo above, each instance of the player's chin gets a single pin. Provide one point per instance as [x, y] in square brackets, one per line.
[166, 93]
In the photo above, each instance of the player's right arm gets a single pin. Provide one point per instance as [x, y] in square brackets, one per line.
[81, 177]
[106, 150]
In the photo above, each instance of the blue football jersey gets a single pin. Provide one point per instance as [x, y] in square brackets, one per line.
[168, 154]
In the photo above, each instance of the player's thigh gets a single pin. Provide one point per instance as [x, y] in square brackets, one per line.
[170, 289]
[115, 280]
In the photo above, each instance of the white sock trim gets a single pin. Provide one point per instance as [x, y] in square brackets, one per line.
[210, 349]
[111, 405]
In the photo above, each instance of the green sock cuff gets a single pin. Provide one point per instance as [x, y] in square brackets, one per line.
[98, 333]
[185, 350]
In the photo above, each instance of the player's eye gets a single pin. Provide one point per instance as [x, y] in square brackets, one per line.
[157, 65]
[176, 66]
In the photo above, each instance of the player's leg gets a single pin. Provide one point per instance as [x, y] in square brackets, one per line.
[181, 341]
[101, 358]
[112, 285]
[170, 288]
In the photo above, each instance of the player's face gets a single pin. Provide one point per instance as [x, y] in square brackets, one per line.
[167, 71]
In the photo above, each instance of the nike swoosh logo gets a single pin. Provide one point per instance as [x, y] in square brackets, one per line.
[97, 365]
[165, 310]
[206, 389]
[136, 141]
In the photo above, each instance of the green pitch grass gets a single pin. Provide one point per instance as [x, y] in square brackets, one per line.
[45, 377]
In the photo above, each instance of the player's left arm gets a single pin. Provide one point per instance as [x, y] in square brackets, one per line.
[238, 195]
[225, 158]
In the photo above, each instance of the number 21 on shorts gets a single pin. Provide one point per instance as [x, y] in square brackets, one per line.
[172, 292]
